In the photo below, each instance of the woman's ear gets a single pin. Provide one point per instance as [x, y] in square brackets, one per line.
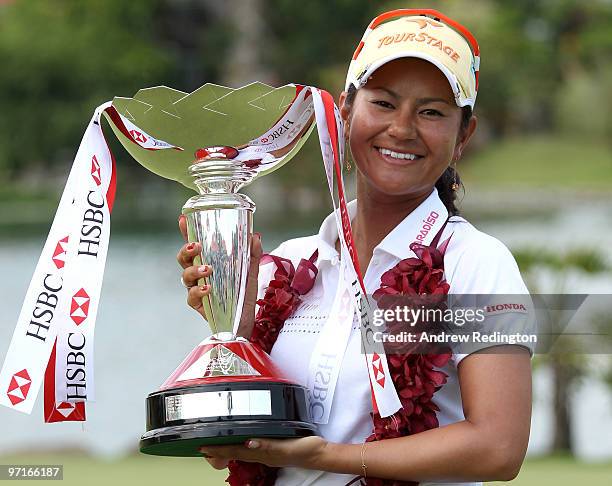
[344, 112]
[464, 138]
[344, 108]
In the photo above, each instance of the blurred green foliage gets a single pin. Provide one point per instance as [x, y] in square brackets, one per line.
[59, 61]
[546, 65]
[547, 161]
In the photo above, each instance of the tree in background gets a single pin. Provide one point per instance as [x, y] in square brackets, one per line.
[546, 67]
[60, 60]
[566, 359]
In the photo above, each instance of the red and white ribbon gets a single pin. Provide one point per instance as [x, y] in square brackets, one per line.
[284, 132]
[330, 128]
[328, 353]
[53, 339]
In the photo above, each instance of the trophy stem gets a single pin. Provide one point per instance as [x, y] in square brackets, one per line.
[222, 222]
[220, 176]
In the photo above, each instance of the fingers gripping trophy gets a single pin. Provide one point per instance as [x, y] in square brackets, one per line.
[227, 389]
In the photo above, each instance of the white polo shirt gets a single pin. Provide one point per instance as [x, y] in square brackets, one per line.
[475, 263]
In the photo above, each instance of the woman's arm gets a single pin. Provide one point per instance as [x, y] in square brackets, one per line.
[489, 444]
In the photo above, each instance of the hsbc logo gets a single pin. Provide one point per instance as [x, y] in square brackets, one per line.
[65, 408]
[138, 136]
[60, 253]
[19, 386]
[79, 307]
[377, 368]
[280, 130]
[95, 171]
[65, 411]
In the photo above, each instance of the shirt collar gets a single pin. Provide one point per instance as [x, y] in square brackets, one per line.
[394, 243]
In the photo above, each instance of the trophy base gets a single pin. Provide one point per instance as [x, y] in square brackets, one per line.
[184, 441]
[180, 420]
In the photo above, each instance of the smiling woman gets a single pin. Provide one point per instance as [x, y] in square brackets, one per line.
[404, 127]
[406, 417]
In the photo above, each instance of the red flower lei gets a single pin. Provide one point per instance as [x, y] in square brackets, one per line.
[414, 375]
[279, 302]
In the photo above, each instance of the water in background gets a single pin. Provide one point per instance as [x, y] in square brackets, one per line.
[145, 329]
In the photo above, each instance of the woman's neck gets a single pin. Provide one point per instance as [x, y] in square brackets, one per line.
[376, 217]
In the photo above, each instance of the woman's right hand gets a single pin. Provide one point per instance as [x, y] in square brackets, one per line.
[192, 273]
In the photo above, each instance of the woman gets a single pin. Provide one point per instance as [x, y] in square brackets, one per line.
[408, 117]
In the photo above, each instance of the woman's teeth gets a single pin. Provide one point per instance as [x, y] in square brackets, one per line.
[398, 155]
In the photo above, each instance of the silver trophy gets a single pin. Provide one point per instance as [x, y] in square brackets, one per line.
[217, 140]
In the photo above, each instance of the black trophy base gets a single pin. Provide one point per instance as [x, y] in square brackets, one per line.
[170, 434]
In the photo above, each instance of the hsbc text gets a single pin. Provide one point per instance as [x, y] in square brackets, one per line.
[93, 219]
[42, 315]
[76, 385]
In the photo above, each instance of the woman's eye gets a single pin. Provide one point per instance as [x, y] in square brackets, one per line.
[432, 112]
[384, 104]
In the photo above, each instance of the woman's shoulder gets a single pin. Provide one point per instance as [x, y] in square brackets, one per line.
[294, 250]
[477, 262]
[297, 248]
[469, 240]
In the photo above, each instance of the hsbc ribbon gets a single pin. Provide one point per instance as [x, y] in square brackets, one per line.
[284, 131]
[329, 125]
[53, 339]
[328, 353]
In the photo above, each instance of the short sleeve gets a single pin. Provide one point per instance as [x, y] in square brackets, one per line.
[487, 279]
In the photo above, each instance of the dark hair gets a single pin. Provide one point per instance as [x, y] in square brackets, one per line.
[444, 184]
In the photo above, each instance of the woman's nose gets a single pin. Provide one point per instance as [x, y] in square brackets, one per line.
[402, 127]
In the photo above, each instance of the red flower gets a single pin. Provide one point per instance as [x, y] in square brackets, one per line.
[250, 474]
[414, 375]
[278, 303]
[423, 275]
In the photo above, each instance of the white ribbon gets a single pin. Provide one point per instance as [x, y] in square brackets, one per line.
[329, 350]
[48, 296]
[89, 226]
[384, 396]
[53, 339]
[284, 132]
[428, 219]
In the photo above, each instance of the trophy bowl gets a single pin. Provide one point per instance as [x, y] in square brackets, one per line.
[227, 389]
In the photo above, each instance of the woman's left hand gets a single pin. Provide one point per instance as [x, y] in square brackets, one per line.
[306, 452]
